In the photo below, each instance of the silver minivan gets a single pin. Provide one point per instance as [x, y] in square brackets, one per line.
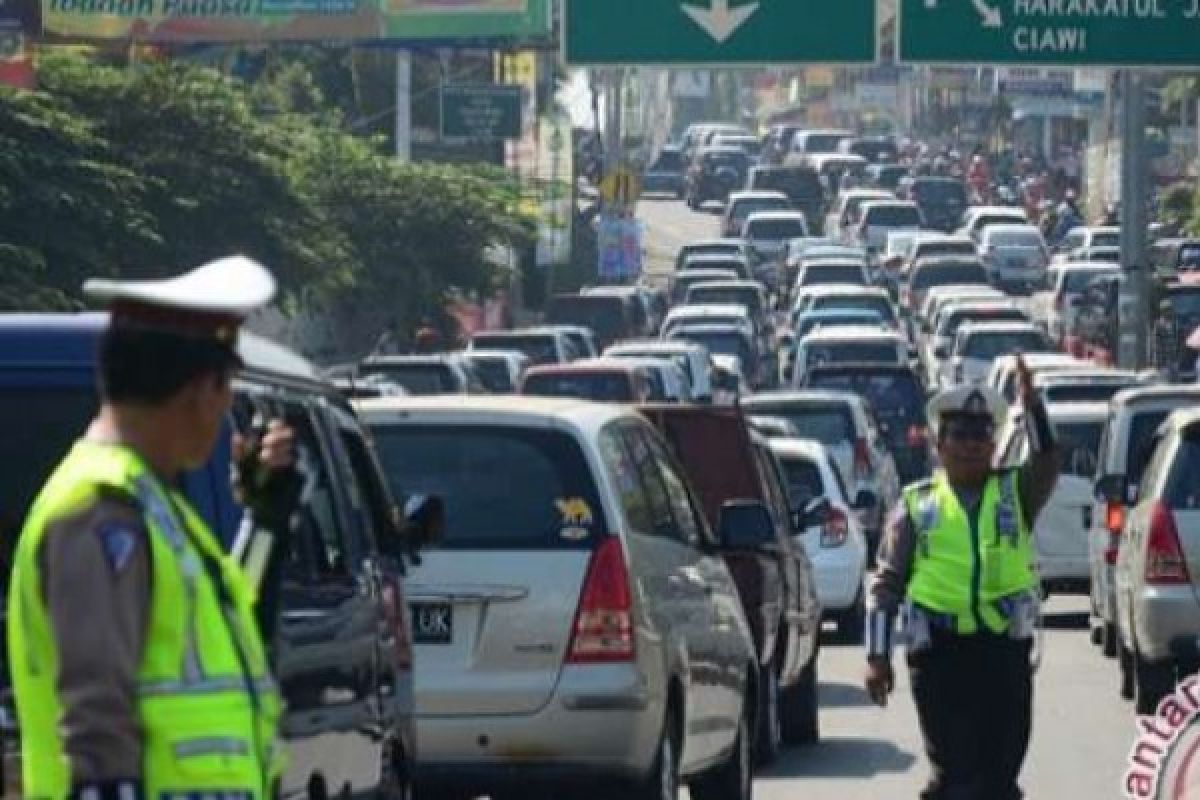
[1158, 562]
[577, 624]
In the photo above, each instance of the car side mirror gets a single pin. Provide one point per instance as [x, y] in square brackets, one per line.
[816, 511]
[1110, 488]
[422, 524]
[865, 500]
[745, 525]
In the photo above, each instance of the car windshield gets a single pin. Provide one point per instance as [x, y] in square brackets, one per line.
[946, 274]
[822, 274]
[1015, 239]
[538, 349]
[775, 229]
[417, 379]
[40, 425]
[894, 217]
[841, 352]
[1189, 257]
[880, 305]
[831, 425]
[668, 161]
[940, 192]
[601, 387]
[531, 474]
[989, 346]
[713, 295]
[1079, 447]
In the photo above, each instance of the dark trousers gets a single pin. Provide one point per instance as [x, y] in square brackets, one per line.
[974, 698]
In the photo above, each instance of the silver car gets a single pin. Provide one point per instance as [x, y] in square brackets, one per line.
[1158, 608]
[1134, 417]
[577, 624]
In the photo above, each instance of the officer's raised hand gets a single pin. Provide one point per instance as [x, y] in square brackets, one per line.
[265, 478]
[880, 681]
[1025, 391]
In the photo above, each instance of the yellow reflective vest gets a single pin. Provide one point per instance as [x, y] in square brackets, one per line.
[968, 572]
[208, 708]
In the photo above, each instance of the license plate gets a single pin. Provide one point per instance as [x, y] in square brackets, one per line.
[433, 623]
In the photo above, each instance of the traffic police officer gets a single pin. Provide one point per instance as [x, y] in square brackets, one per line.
[135, 652]
[958, 559]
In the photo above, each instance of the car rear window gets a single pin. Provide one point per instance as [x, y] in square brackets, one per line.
[937, 192]
[727, 344]
[710, 250]
[932, 275]
[717, 296]
[1189, 256]
[879, 305]
[1106, 240]
[989, 346]
[1082, 392]
[493, 374]
[812, 323]
[40, 426]
[601, 387]
[803, 480]
[538, 494]
[539, 349]
[893, 395]
[822, 143]
[841, 352]
[1015, 239]
[944, 249]
[776, 229]
[954, 321]
[608, 317]
[747, 207]
[831, 425]
[1079, 447]
[668, 161]
[1075, 281]
[417, 379]
[1142, 428]
[893, 216]
[1183, 490]
[834, 273]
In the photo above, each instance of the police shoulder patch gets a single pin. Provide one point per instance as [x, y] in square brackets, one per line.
[118, 539]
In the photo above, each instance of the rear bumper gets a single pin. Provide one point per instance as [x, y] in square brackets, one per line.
[1065, 569]
[838, 576]
[1163, 617]
[601, 720]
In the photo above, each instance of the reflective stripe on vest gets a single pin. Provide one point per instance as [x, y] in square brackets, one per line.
[207, 707]
[968, 571]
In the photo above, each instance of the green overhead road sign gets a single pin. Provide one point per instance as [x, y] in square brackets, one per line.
[1114, 33]
[481, 112]
[696, 32]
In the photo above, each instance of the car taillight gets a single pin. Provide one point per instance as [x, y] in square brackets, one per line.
[862, 459]
[603, 631]
[836, 529]
[1164, 555]
[1114, 517]
[917, 436]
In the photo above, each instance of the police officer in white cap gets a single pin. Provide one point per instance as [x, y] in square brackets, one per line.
[137, 661]
[957, 560]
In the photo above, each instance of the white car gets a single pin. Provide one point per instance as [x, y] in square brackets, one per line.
[940, 341]
[1015, 256]
[930, 244]
[499, 371]
[881, 217]
[741, 205]
[1054, 308]
[767, 232]
[1086, 238]
[976, 218]
[850, 344]
[1003, 375]
[1062, 529]
[834, 541]
[717, 314]
[1097, 385]
[693, 359]
[939, 296]
[832, 272]
[979, 344]
[851, 298]
[843, 220]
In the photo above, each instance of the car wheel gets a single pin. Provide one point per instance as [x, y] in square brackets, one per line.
[662, 781]
[733, 780]
[770, 733]
[1108, 639]
[799, 714]
[1153, 680]
[1125, 668]
[395, 777]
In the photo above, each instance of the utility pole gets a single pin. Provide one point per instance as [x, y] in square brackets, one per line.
[403, 105]
[1133, 302]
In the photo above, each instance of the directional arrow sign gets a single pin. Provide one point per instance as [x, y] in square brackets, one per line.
[1162, 33]
[702, 32]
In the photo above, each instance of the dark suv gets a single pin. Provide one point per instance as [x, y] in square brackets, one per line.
[713, 174]
[343, 648]
[897, 396]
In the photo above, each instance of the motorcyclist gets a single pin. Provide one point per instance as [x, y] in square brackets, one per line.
[979, 177]
[1069, 217]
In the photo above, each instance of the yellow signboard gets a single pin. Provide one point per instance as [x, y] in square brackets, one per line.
[621, 187]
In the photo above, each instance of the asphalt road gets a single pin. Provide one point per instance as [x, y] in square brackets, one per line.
[1082, 729]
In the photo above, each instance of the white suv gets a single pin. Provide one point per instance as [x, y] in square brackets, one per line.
[577, 623]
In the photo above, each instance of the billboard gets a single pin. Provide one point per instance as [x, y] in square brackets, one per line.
[184, 21]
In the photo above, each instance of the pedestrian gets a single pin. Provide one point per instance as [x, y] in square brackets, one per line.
[1166, 341]
[138, 669]
[958, 559]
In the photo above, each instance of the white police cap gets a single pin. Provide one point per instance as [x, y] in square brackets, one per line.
[975, 401]
[211, 301]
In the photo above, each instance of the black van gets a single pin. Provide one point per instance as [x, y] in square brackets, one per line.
[610, 317]
[800, 183]
[343, 650]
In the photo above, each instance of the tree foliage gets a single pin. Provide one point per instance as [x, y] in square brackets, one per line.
[145, 171]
